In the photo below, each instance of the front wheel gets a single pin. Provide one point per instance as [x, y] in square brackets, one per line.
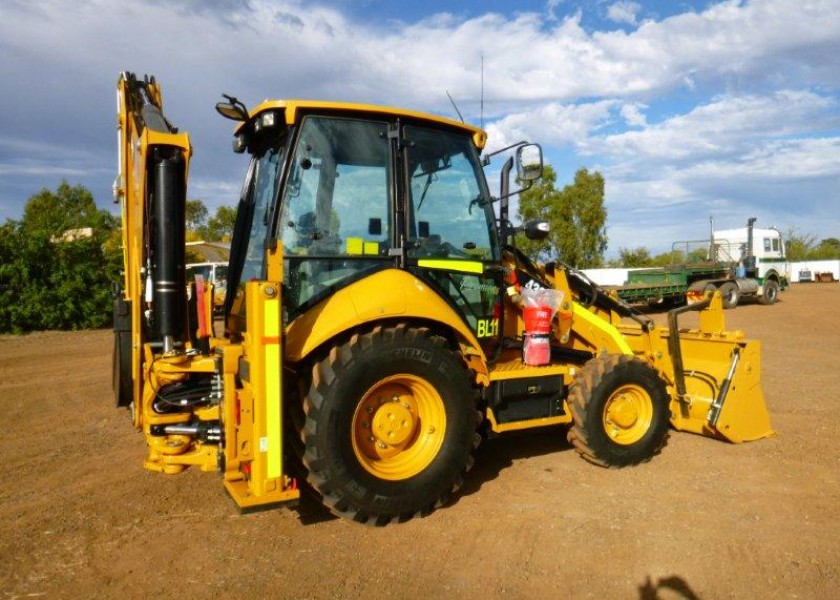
[390, 425]
[620, 411]
[730, 294]
[770, 293]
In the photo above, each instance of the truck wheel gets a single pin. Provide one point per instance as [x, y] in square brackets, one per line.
[390, 425]
[771, 293]
[620, 411]
[730, 294]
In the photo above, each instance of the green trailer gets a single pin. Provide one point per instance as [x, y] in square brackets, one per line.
[672, 284]
[747, 262]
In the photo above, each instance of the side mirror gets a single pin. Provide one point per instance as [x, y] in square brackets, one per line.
[537, 229]
[529, 162]
[233, 109]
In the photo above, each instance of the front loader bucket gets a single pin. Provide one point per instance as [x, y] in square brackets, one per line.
[717, 376]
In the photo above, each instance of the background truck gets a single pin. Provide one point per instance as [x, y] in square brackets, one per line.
[374, 326]
[746, 262]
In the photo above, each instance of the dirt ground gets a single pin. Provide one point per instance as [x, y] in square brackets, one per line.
[81, 518]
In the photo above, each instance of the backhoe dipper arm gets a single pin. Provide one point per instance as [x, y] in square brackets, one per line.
[151, 190]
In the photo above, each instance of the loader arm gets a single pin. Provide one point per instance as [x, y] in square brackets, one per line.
[712, 375]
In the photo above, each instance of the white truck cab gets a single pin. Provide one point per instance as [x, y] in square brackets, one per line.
[759, 254]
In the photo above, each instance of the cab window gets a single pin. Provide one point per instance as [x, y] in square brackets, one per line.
[449, 216]
[334, 221]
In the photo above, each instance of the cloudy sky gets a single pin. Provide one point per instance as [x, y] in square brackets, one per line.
[689, 109]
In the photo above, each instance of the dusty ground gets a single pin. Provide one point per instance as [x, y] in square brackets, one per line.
[80, 518]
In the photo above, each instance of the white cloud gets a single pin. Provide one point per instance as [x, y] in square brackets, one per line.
[777, 157]
[768, 66]
[728, 126]
[624, 12]
[632, 114]
[552, 124]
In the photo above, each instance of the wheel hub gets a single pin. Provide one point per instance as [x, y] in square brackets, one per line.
[393, 422]
[623, 412]
[628, 414]
[398, 427]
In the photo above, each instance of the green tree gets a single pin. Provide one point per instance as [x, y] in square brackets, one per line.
[637, 257]
[196, 215]
[798, 246]
[666, 259]
[69, 207]
[50, 280]
[827, 249]
[220, 225]
[576, 214]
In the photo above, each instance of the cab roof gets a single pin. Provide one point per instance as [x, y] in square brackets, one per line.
[290, 109]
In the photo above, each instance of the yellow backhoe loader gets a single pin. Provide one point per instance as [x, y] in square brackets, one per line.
[375, 317]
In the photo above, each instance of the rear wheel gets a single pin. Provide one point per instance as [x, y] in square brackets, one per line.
[390, 425]
[620, 411]
[730, 293]
[770, 294]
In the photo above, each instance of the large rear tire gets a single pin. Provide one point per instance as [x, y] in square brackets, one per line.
[620, 411]
[390, 425]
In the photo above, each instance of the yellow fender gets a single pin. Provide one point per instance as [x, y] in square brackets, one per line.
[363, 302]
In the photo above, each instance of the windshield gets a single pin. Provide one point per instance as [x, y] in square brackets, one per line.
[449, 213]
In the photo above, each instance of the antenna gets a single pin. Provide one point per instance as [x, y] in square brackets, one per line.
[455, 106]
[482, 91]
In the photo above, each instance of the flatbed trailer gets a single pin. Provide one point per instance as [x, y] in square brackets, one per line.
[671, 284]
[743, 263]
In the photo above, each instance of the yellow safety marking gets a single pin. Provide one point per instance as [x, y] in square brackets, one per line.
[355, 245]
[463, 266]
[605, 327]
[272, 388]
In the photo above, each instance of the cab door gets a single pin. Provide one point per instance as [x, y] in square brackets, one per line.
[451, 234]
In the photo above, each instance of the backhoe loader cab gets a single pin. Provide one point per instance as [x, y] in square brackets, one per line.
[376, 318]
[352, 191]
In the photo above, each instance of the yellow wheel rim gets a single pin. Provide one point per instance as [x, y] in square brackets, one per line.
[399, 427]
[628, 414]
